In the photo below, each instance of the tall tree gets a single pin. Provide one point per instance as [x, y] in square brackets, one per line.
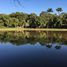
[49, 10]
[32, 18]
[59, 10]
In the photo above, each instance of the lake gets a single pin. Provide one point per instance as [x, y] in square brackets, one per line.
[33, 49]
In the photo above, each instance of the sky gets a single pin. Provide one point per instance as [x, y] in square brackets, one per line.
[31, 6]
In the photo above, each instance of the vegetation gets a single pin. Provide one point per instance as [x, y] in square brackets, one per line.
[47, 39]
[46, 19]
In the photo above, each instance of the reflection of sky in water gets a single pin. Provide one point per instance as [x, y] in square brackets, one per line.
[33, 54]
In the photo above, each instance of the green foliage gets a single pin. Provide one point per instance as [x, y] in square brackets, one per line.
[59, 10]
[44, 20]
[44, 38]
[49, 10]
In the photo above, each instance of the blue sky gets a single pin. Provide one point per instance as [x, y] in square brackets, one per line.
[31, 6]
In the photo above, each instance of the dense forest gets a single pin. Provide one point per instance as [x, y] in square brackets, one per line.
[46, 19]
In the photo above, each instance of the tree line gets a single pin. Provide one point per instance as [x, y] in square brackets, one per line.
[33, 37]
[46, 19]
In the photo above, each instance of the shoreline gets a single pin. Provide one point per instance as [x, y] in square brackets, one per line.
[32, 29]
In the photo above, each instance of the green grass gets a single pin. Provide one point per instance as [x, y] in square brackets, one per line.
[32, 29]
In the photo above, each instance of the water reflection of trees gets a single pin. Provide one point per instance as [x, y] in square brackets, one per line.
[32, 37]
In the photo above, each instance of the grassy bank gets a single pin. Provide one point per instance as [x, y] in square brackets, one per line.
[31, 29]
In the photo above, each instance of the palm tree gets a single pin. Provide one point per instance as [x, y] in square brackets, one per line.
[58, 46]
[49, 10]
[59, 10]
[49, 45]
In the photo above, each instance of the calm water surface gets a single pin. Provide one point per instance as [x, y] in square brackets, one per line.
[33, 49]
